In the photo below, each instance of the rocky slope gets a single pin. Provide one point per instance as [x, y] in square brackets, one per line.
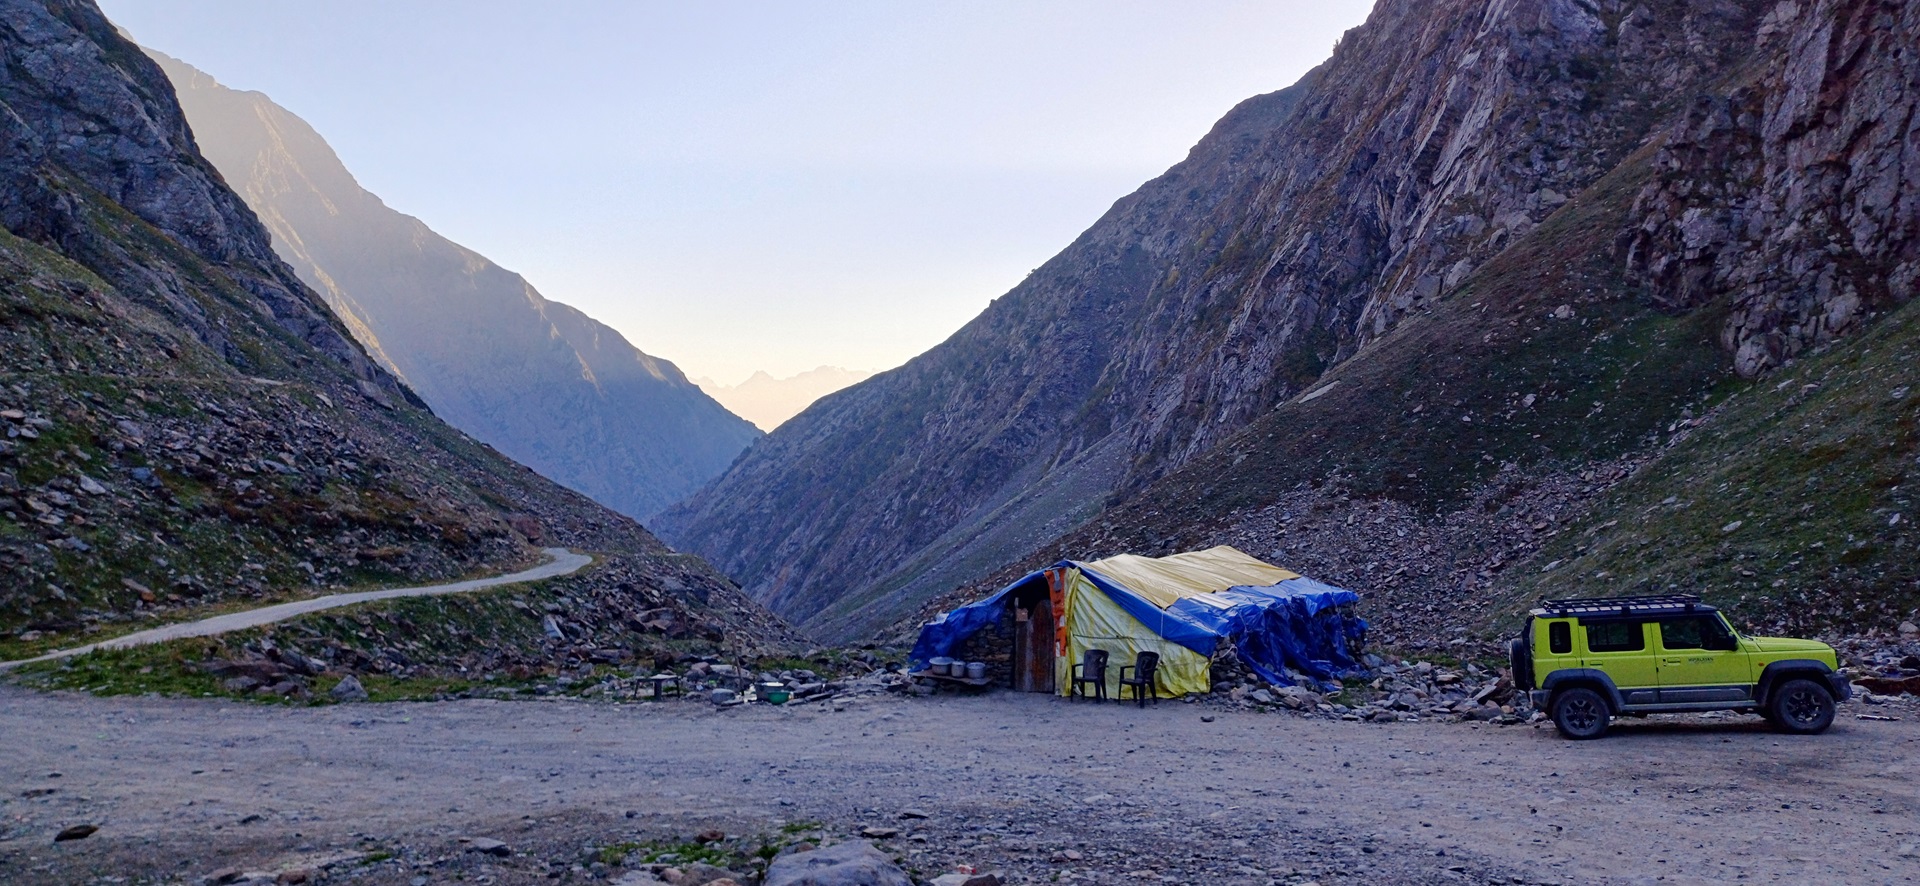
[1306, 229]
[186, 425]
[543, 382]
[1582, 415]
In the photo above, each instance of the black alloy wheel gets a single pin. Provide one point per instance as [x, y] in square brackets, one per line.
[1580, 713]
[1802, 707]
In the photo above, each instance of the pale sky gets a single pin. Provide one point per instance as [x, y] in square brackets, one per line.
[756, 185]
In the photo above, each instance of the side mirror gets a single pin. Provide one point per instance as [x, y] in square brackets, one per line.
[1722, 643]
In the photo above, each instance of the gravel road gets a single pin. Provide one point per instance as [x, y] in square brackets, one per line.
[182, 787]
[560, 561]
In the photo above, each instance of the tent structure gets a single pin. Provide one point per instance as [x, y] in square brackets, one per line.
[1182, 607]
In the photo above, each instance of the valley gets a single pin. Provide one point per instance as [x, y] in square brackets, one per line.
[334, 542]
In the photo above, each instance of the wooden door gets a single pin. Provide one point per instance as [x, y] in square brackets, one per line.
[1033, 647]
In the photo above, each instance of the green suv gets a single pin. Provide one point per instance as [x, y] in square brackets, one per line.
[1588, 661]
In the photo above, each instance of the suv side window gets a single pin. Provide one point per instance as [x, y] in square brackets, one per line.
[1685, 633]
[1615, 636]
[1560, 637]
[1697, 632]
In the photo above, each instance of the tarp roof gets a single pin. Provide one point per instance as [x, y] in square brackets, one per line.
[1166, 580]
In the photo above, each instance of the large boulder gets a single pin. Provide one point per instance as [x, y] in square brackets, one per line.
[847, 864]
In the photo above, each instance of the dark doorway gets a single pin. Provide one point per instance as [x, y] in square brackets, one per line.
[1033, 638]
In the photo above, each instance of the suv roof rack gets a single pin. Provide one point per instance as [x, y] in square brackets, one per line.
[1644, 605]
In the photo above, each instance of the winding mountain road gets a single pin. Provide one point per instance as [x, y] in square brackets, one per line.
[561, 562]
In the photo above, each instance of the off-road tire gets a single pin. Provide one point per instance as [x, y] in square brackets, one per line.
[1580, 713]
[1801, 707]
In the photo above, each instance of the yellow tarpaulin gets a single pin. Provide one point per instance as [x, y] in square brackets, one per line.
[1164, 580]
[1094, 621]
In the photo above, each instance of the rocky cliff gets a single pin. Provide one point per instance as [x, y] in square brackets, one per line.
[546, 384]
[1485, 234]
[186, 424]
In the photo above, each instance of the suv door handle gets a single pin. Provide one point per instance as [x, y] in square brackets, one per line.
[1672, 661]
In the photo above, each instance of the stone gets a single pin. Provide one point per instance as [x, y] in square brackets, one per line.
[1889, 686]
[723, 696]
[697, 874]
[855, 863]
[145, 593]
[914, 813]
[967, 880]
[639, 878]
[76, 832]
[879, 833]
[91, 486]
[487, 846]
[240, 684]
[1262, 696]
[347, 690]
[1909, 629]
[223, 876]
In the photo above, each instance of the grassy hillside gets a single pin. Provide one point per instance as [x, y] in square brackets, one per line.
[1792, 502]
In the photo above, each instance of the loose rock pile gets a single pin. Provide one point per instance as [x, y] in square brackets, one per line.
[1396, 691]
[1885, 668]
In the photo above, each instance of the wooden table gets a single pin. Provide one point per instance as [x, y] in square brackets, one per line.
[967, 683]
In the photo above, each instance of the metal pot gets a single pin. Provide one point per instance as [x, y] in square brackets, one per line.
[941, 666]
[976, 670]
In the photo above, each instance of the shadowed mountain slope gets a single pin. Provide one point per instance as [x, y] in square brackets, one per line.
[546, 384]
[1305, 225]
[187, 426]
[1558, 225]
[1593, 411]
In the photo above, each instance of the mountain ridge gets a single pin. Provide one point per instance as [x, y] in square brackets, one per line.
[187, 426]
[542, 381]
[1309, 228]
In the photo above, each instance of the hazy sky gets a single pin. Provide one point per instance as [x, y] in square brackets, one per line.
[756, 185]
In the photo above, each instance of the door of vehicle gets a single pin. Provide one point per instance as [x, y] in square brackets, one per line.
[1700, 661]
[1619, 647]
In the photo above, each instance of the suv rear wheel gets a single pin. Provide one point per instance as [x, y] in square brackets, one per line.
[1580, 713]
[1801, 707]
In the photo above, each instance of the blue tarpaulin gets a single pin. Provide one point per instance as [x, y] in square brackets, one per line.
[1292, 624]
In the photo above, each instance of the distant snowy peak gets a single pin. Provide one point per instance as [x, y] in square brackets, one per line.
[768, 402]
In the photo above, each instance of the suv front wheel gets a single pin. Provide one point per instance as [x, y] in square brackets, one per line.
[1580, 713]
[1801, 707]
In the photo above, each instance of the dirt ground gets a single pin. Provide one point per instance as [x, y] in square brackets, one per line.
[1044, 789]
